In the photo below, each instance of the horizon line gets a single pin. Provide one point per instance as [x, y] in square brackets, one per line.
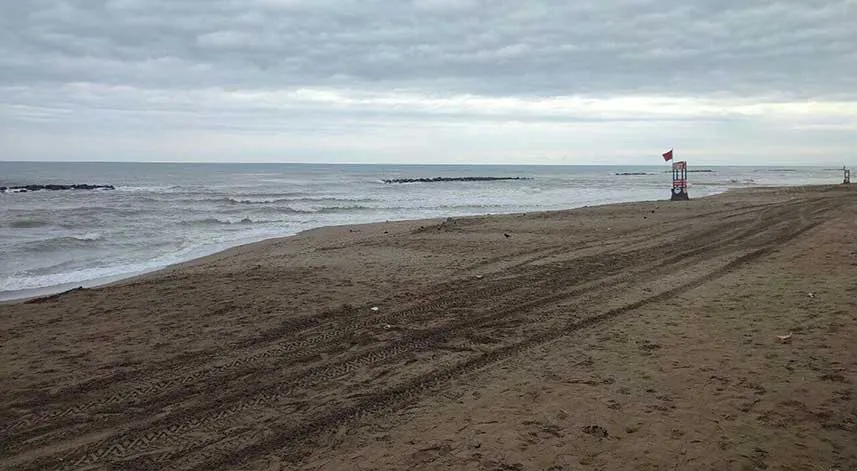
[532, 164]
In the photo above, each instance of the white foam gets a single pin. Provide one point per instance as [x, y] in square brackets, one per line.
[17, 287]
[90, 236]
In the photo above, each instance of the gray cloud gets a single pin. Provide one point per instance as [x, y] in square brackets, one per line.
[795, 48]
[81, 75]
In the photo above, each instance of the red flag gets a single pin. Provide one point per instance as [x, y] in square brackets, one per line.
[668, 156]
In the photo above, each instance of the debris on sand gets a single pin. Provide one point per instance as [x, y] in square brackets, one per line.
[375, 308]
[784, 338]
[648, 346]
[596, 431]
[811, 294]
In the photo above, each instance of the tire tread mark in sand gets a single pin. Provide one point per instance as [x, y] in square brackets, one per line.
[401, 395]
[12, 442]
[375, 356]
[717, 273]
[244, 399]
[138, 393]
[740, 234]
[361, 361]
[128, 395]
[421, 339]
[346, 367]
[290, 326]
[542, 253]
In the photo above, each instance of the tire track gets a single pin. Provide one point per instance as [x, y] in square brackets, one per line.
[304, 349]
[253, 396]
[426, 339]
[479, 295]
[401, 395]
[129, 394]
[290, 326]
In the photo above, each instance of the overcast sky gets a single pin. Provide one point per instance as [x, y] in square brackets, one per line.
[429, 81]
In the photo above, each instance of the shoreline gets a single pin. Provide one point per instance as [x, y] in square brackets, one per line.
[20, 296]
[17, 296]
[136, 268]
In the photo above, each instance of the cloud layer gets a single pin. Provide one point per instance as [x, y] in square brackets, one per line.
[117, 73]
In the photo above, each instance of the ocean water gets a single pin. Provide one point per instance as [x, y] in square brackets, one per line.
[162, 214]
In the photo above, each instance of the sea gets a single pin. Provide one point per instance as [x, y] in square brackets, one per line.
[165, 213]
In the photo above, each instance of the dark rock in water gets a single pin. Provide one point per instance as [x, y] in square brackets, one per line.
[26, 188]
[452, 179]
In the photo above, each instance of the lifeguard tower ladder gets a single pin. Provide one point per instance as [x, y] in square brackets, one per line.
[679, 191]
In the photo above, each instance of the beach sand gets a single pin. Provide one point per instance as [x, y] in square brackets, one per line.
[625, 337]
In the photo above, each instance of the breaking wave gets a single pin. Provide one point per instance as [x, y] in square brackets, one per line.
[263, 200]
[64, 242]
[286, 211]
[225, 222]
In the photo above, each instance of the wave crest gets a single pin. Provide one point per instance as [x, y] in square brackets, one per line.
[267, 200]
[226, 222]
[64, 242]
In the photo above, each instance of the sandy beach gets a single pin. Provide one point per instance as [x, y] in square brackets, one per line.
[714, 334]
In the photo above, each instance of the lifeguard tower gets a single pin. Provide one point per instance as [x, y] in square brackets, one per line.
[679, 190]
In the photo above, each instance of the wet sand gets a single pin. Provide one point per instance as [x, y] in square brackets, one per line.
[625, 337]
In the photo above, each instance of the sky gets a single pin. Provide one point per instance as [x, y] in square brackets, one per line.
[429, 81]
